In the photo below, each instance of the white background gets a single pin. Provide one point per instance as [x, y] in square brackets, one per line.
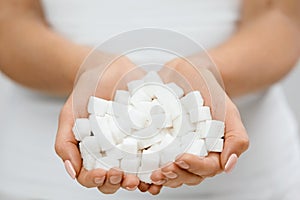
[291, 85]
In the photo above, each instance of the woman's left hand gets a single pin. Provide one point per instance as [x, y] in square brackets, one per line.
[191, 169]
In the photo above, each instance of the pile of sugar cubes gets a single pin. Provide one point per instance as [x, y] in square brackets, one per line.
[146, 127]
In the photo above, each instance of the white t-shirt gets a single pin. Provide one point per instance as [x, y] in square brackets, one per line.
[31, 170]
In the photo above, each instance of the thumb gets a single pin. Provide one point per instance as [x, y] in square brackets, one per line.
[236, 140]
[66, 145]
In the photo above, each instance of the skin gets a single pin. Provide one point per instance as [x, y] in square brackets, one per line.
[267, 41]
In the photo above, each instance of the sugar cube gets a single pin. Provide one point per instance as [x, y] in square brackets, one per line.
[81, 128]
[176, 89]
[97, 106]
[200, 114]
[192, 100]
[214, 144]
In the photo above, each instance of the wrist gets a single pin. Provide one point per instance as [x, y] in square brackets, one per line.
[221, 59]
[72, 63]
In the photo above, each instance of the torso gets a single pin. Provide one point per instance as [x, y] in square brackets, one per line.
[264, 172]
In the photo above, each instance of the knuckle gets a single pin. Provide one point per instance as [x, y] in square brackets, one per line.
[58, 148]
[244, 143]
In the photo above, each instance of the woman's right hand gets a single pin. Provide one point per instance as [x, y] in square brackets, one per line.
[66, 146]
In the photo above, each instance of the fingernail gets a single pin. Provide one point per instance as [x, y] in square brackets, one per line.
[131, 188]
[170, 175]
[70, 169]
[99, 181]
[160, 182]
[232, 160]
[115, 180]
[182, 164]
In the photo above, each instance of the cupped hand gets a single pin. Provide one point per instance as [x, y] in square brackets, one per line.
[66, 146]
[191, 169]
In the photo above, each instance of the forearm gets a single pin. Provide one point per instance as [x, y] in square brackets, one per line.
[34, 56]
[259, 54]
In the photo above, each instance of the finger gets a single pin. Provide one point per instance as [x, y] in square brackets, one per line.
[201, 166]
[177, 176]
[236, 140]
[113, 181]
[65, 144]
[154, 189]
[130, 182]
[143, 187]
[93, 178]
[158, 178]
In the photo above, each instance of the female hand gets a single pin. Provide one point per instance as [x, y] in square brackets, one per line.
[66, 146]
[190, 169]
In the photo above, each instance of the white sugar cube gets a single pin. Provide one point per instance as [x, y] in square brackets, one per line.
[198, 148]
[117, 109]
[156, 108]
[192, 100]
[182, 125]
[145, 177]
[200, 114]
[214, 129]
[176, 89]
[83, 150]
[214, 144]
[149, 161]
[122, 97]
[100, 165]
[144, 106]
[130, 165]
[102, 132]
[169, 154]
[88, 162]
[155, 147]
[169, 102]
[114, 153]
[158, 120]
[167, 140]
[97, 106]
[91, 144]
[153, 77]
[168, 123]
[122, 123]
[138, 118]
[117, 131]
[129, 147]
[144, 143]
[140, 96]
[107, 163]
[201, 129]
[145, 133]
[169, 150]
[134, 85]
[187, 139]
[81, 128]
